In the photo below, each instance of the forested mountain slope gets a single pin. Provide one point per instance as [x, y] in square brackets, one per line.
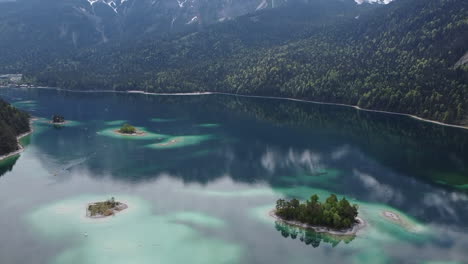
[28, 45]
[38, 31]
[399, 58]
[13, 122]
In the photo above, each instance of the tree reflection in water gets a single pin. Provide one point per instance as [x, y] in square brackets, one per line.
[7, 164]
[310, 237]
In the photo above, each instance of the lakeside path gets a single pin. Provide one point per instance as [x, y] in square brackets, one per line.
[256, 96]
[20, 147]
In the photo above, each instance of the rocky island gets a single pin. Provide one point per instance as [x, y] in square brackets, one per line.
[58, 119]
[104, 209]
[337, 217]
[129, 130]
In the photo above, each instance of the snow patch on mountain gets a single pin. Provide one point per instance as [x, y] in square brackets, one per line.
[373, 1]
[262, 5]
[462, 61]
[112, 5]
[193, 20]
[181, 3]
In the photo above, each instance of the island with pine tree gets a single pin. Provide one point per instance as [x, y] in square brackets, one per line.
[337, 217]
[129, 130]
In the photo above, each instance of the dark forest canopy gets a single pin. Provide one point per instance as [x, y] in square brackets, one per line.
[13, 122]
[127, 129]
[58, 119]
[334, 213]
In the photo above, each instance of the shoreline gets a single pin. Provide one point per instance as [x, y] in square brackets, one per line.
[20, 147]
[361, 224]
[58, 124]
[171, 142]
[136, 134]
[255, 96]
[347, 105]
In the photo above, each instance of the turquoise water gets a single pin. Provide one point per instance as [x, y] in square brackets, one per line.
[202, 179]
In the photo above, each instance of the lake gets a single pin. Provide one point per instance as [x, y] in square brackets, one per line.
[202, 180]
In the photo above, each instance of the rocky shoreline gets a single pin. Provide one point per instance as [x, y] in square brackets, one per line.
[171, 142]
[112, 211]
[398, 220]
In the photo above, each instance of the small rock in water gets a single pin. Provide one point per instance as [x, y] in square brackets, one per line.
[85, 234]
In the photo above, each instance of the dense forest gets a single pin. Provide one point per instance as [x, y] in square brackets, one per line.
[401, 57]
[310, 237]
[334, 213]
[13, 122]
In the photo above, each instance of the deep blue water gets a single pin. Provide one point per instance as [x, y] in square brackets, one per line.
[235, 156]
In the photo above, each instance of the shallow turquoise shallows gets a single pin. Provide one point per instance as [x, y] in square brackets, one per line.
[202, 177]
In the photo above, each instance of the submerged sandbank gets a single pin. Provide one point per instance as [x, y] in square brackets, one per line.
[170, 142]
[140, 234]
[181, 141]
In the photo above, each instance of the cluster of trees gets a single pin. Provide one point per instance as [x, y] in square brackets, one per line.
[58, 119]
[333, 213]
[13, 122]
[127, 129]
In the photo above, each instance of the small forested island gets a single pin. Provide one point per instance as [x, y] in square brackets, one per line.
[334, 216]
[58, 119]
[104, 209]
[127, 129]
[130, 130]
